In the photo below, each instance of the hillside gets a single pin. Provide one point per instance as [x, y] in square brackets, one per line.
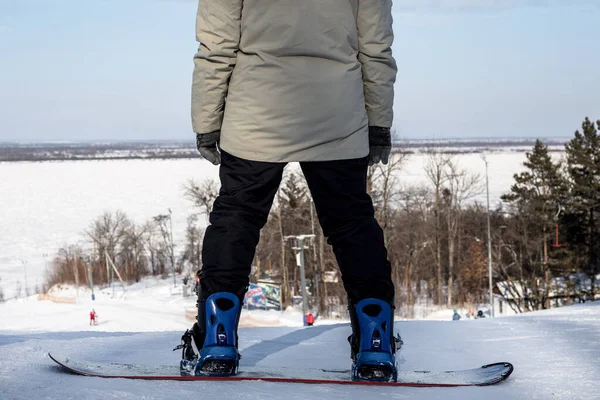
[555, 352]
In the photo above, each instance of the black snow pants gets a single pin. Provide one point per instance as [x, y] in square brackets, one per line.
[344, 209]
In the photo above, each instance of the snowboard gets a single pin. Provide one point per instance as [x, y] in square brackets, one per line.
[483, 376]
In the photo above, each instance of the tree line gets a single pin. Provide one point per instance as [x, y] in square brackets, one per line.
[436, 234]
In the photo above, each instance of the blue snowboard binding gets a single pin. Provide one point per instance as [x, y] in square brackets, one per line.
[210, 347]
[372, 341]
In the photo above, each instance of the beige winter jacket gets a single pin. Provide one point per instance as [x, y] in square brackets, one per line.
[293, 80]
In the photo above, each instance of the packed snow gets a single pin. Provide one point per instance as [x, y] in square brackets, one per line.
[153, 304]
[556, 353]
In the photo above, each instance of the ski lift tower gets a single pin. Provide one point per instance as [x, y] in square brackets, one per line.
[299, 248]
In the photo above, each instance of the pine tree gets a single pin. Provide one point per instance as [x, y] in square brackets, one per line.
[535, 196]
[583, 210]
[295, 192]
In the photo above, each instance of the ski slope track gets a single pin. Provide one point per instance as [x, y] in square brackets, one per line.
[556, 355]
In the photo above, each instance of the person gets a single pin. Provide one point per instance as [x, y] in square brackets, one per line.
[310, 319]
[456, 316]
[480, 314]
[93, 316]
[293, 81]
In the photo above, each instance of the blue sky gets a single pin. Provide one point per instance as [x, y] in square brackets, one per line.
[121, 69]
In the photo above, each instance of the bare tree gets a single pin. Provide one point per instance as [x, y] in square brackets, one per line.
[324, 293]
[385, 187]
[435, 170]
[132, 249]
[472, 274]
[461, 186]
[107, 233]
[68, 266]
[411, 247]
[202, 195]
[193, 247]
[293, 216]
[152, 246]
[162, 222]
[285, 285]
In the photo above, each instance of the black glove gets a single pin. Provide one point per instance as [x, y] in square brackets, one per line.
[207, 145]
[380, 144]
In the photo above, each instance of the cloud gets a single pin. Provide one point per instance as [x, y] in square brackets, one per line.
[486, 5]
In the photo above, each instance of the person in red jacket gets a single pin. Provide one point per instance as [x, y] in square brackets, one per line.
[310, 319]
[93, 317]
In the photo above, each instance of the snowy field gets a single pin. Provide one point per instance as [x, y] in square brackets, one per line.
[556, 353]
[46, 205]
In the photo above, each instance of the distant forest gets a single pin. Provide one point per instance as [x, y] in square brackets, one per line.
[114, 150]
[96, 151]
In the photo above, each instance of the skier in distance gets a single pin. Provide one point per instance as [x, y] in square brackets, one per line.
[310, 319]
[455, 316]
[308, 81]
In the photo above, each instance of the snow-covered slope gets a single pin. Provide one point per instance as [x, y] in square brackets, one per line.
[556, 353]
[151, 305]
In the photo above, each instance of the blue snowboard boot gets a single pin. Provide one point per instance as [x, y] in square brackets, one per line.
[210, 347]
[372, 342]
